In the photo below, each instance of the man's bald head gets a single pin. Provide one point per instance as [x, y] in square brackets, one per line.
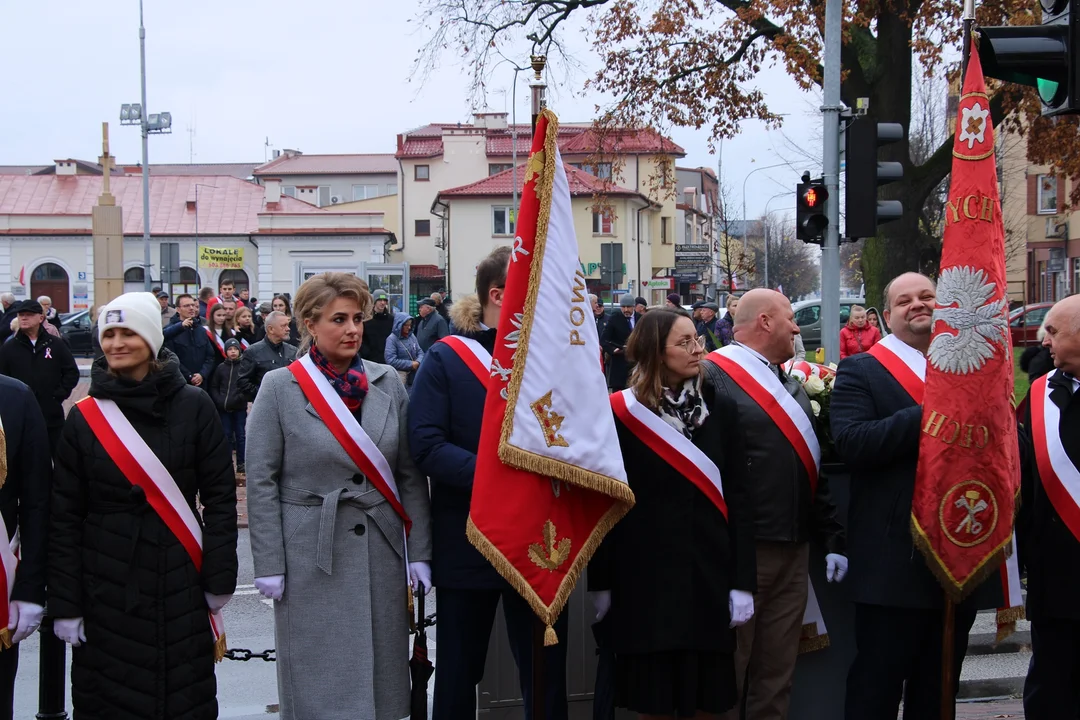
[1063, 334]
[765, 322]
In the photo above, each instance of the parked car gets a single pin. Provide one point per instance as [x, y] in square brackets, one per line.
[808, 318]
[75, 329]
[1025, 321]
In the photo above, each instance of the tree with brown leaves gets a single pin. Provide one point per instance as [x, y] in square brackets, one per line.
[693, 63]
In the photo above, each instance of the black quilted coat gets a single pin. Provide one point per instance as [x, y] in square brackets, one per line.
[149, 651]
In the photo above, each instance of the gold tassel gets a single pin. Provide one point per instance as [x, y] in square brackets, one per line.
[412, 608]
[1006, 621]
[3, 461]
[219, 649]
[5, 639]
[807, 645]
[550, 638]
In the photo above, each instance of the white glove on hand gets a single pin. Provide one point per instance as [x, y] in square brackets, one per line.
[70, 631]
[835, 567]
[420, 574]
[25, 618]
[216, 602]
[272, 587]
[601, 602]
[741, 607]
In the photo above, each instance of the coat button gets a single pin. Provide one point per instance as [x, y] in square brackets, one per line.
[359, 529]
[358, 479]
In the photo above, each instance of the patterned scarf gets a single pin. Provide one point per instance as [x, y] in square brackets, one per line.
[683, 408]
[352, 386]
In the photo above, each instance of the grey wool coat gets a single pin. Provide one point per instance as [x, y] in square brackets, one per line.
[342, 627]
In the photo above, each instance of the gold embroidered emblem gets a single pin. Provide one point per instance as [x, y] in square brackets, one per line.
[550, 421]
[968, 513]
[551, 554]
[535, 166]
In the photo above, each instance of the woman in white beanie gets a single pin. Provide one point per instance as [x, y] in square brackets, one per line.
[134, 573]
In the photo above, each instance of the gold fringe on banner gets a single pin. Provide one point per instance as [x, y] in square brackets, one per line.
[220, 646]
[3, 457]
[1006, 621]
[809, 640]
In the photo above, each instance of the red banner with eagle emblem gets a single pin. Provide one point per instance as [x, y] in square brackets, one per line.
[968, 474]
[549, 480]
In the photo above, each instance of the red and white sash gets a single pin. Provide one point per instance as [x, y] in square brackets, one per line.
[473, 354]
[7, 577]
[671, 445]
[142, 468]
[906, 364]
[215, 340]
[765, 388]
[236, 334]
[344, 427]
[1060, 478]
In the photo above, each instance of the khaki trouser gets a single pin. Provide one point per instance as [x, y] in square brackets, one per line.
[768, 645]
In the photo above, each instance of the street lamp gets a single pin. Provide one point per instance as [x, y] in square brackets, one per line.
[765, 231]
[746, 228]
[134, 114]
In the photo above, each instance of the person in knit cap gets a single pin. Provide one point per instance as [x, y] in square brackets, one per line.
[231, 403]
[129, 583]
[674, 301]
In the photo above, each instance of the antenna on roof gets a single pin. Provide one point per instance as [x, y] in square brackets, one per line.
[266, 149]
[191, 143]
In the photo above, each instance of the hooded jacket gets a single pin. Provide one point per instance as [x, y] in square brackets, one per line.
[401, 352]
[225, 386]
[445, 411]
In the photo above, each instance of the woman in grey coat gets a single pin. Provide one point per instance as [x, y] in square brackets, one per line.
[328, 518]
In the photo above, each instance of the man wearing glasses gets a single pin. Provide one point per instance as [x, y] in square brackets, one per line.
[792, 500]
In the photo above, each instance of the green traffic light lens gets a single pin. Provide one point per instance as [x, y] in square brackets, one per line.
[1050, 92]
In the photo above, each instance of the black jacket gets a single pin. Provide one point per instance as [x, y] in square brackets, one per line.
[376, 330]
[113, 561]
[248, 335]
[601, 321]
[614, 338]
[225, 386]
[24, 497]
[446, 407]
[875, 426]
[1049, 551]
[1036, 362]
[5, 320]
[785, 509]
[671, 562]
[192, 349]
[47, 367]
[259, 359]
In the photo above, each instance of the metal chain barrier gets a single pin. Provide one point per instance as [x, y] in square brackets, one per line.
[243, 655]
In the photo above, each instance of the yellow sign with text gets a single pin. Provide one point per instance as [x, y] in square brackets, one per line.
[221, 258]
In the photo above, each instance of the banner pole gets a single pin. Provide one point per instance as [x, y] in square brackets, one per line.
[948, 633]
[539, 710]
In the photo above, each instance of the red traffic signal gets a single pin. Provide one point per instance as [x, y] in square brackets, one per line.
[810, 219]
[812, 197]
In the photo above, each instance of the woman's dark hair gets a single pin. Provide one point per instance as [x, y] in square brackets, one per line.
[646, 349]
[491, 273]
[284, 299]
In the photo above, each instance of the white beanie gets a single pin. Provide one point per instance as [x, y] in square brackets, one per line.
[139, 312]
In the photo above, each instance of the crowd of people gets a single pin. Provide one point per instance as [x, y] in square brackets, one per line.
[359, 467]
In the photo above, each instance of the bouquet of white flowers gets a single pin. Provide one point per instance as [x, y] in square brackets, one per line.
[817, 380]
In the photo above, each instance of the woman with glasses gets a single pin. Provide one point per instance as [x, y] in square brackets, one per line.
[686, 550]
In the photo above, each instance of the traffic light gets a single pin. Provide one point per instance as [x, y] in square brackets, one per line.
[864, 174]
[1041, 56]
[810, 217]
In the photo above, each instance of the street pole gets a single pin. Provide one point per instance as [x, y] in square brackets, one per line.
[830, 251]
[145, 155]
[746, 228]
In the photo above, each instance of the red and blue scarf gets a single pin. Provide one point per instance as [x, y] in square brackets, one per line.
[352, 386]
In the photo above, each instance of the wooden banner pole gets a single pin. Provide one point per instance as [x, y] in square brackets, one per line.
[948, 646]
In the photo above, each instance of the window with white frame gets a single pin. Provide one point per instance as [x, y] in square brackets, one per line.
[289, 190]
[1048, 193]
[603, 222]
[600, 170]
[422, 173]
[502, 220]
[363, 192]
[324, 195]
[391, 188]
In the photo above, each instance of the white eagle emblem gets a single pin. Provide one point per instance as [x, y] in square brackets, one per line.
[964, 305]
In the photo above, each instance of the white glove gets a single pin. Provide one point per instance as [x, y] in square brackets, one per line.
[740, 606]
[25, 618]
[216, 602]
[601, 602]
[420, 574]
[70, 631]
[835, 567]
[272, 587]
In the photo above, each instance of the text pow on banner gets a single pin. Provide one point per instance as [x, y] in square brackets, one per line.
[549, 480]
[968, 474]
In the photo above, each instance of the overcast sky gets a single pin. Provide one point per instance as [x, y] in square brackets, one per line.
[323, 77]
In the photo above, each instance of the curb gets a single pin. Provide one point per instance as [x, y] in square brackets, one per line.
[990, 688]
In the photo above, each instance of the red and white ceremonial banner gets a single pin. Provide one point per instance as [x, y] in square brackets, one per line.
[142, 468]
[968, 474]
[549, 480]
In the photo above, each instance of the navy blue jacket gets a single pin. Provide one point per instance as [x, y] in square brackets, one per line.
[445, 412]
[193, 350]
[876, 426]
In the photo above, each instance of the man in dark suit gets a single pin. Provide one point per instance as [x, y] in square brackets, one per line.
[25, 481]
[189, 341]
[1050, 546]
[898, 603]
[613, 342]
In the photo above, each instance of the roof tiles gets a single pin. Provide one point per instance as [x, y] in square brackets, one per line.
[502, 184]
[329, 165]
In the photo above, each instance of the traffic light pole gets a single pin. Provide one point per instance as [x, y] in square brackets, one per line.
[830, 250]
